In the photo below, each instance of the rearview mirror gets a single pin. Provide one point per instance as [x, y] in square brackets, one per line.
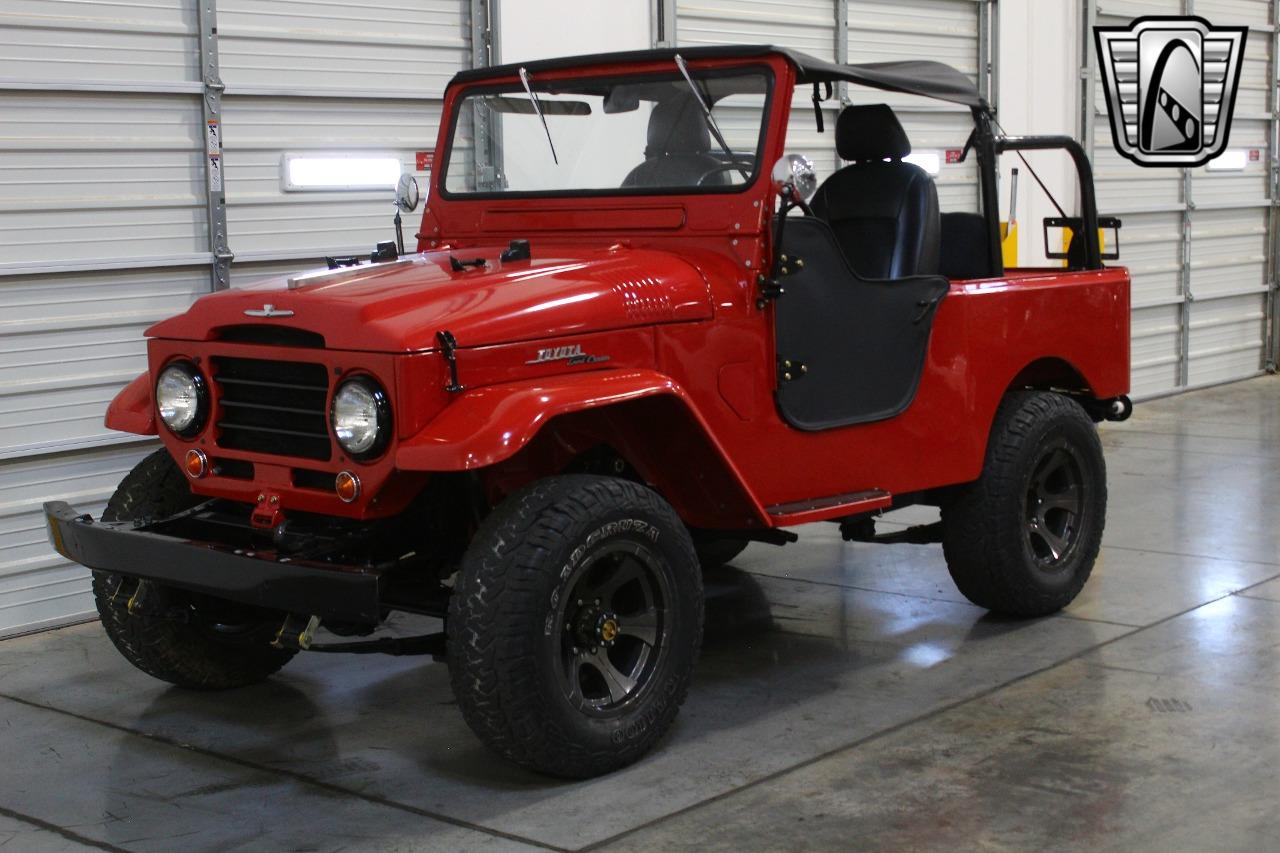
[407, 193]
[798, 171]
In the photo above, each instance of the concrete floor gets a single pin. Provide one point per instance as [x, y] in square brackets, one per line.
[847, 697]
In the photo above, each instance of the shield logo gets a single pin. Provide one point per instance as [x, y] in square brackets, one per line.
[1170, 84]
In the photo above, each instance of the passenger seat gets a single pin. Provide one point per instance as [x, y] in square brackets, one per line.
[884, 212]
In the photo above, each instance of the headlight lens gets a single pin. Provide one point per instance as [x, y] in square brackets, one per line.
[361, 417]
[181, 398]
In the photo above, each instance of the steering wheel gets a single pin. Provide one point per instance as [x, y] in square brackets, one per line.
[743, 167]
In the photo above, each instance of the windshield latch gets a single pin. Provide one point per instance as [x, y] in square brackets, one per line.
[459, 265]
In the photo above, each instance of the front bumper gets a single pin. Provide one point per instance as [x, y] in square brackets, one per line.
[166, 553]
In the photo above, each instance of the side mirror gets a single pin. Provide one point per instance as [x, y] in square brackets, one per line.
[798, 171]
[407, 193]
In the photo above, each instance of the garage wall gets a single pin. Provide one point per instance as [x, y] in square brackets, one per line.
[951, 31]
[1196, 241]
[104, 209]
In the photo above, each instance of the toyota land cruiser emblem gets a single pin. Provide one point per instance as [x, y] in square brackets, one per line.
[572, 354]
[268, 310]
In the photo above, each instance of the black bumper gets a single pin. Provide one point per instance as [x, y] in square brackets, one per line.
[260, 577]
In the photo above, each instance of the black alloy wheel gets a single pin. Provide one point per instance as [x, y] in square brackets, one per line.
[613, 628]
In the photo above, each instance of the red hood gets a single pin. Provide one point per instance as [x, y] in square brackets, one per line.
[400, 307]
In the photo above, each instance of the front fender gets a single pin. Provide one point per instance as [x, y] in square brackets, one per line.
[132, 409]
[489, 425]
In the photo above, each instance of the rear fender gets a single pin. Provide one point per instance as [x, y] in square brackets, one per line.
[132, 409]
[642, 413]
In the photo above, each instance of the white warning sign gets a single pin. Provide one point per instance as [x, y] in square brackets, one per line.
[215, 173]
[213, 136]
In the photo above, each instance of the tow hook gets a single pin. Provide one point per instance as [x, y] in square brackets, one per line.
[138, 601]
[297, 632]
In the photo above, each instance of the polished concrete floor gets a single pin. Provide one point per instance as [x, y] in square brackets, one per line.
[847, 698]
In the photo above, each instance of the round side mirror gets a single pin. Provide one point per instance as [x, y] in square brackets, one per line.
[407, 193]
[798, 171]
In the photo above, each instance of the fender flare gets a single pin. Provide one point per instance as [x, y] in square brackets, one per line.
[489, 425]
[131, 410]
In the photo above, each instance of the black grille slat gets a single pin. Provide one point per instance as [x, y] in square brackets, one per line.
[273, 407]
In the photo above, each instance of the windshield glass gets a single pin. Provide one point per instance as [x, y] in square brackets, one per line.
[609, 135]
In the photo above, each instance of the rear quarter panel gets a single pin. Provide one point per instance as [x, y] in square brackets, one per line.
[986, 332]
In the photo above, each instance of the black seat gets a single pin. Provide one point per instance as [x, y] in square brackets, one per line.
[884, 212]
[676, 152]
[963, 253]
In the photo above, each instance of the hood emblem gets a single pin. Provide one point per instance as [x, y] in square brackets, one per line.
[573, 354]
[268, 310]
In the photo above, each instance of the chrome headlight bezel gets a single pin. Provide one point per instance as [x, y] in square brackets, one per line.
[200, 389]
[378, 407]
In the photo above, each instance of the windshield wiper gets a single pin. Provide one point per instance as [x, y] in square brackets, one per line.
[537, 108]
[712, 125]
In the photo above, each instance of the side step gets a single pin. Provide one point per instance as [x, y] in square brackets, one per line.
[835, 506]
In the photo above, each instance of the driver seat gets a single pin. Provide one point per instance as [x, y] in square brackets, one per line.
[883, 212]
[676, 151]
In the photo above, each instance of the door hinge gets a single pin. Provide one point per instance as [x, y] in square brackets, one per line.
[790, 369]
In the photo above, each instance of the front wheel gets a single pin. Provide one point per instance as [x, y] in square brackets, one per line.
[1023, 538]
[574, 625]
[187, 639]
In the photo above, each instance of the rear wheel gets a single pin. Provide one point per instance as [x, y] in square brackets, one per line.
[574, 625]
[1023, 538]
[187, 639]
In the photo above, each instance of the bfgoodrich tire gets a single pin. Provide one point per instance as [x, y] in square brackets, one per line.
[574, 625]
[1023, 538]
[189, 640]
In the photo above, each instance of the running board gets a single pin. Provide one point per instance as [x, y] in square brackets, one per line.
[836, 506]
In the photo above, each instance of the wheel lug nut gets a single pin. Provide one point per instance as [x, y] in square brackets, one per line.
[594, 650]
[579, 602]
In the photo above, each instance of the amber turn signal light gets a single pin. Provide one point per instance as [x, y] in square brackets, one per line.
[347, 485]
[197, 464]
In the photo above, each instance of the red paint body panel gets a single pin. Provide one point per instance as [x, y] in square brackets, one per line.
[665, 288]
[399, 308]
[132, 410]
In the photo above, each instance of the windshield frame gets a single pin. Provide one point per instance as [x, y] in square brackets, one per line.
[754, 66]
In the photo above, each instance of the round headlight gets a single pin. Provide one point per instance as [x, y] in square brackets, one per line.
[181, 398]
[361, 417]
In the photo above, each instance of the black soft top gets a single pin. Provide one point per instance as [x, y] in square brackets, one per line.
[914, 77]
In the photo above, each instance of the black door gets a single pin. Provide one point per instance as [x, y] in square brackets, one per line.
[856, 346]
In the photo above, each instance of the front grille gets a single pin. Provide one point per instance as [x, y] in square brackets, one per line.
[275, 407]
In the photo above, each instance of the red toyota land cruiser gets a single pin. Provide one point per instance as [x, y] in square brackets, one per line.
[634, 336]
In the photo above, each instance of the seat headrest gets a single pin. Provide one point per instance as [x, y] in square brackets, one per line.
[869, 132]
[677, 126]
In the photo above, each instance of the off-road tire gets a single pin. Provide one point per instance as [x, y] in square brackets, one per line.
[503, 648]
[989, 551]
[170, 638]
[714, 552]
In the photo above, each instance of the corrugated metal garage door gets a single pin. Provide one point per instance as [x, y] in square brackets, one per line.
[950, 31]
[102, 232]
[356, 77]
[1197, 241]
[103, 207]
